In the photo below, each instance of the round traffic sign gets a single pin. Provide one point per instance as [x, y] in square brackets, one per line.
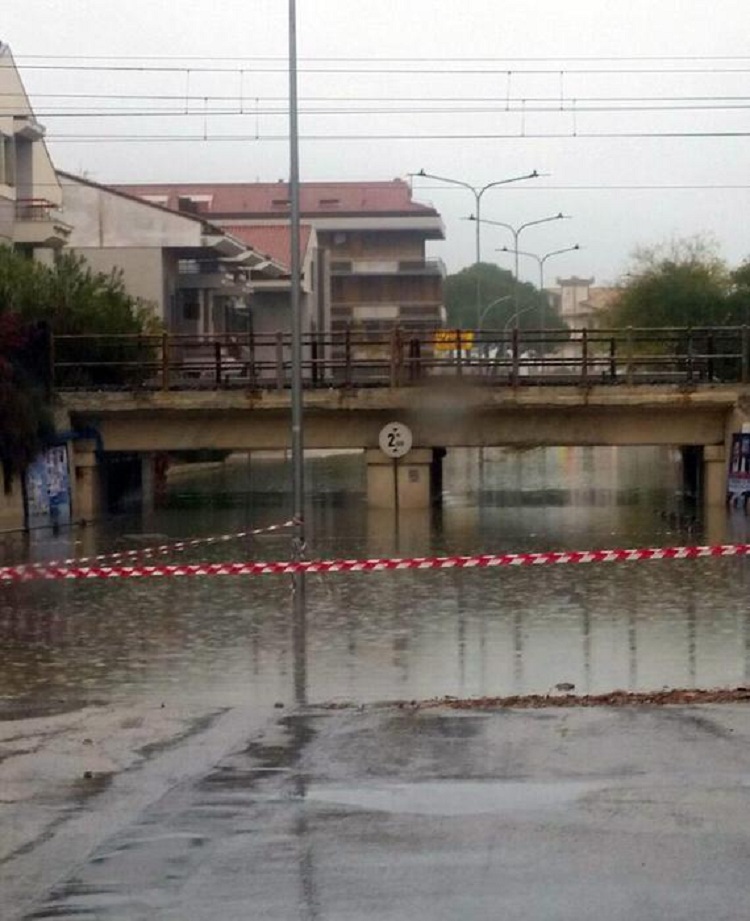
[395, 439]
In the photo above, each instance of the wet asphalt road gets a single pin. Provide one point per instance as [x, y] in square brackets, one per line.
[357, 815]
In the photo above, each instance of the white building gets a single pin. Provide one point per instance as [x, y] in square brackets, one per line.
[31, 219]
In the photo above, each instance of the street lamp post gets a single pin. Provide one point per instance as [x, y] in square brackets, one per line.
[297, 442]
[478, 193]
[486, 310]
[513, 319]
[540, 259]
[516, 231]
[540, 262]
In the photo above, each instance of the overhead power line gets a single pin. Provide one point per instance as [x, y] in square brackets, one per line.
[513, 136]
[251, 68]
[382, 59]
[515, 108]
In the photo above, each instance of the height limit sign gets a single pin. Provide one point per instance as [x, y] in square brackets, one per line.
[395, 439]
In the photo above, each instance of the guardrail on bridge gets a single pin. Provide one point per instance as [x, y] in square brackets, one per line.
[351, 357]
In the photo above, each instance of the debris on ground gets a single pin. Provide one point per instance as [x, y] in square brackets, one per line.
[678, 697]
[665, 697]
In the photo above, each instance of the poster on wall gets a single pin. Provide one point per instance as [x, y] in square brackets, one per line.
[738, 479]
[47, 489]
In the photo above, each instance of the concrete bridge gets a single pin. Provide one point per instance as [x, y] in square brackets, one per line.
[442, 412]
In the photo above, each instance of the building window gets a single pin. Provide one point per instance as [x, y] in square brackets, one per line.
[7, 160]
[191, 310]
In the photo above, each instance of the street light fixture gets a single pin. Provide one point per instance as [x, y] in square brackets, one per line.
[478, 193]
[540, 262]
[540, 259]
[516, 231]
[485, 310]
[513, 319]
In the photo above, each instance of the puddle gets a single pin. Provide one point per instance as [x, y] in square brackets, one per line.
[455, 798]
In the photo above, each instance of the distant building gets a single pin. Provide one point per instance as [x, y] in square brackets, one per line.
[580, 304]
[199, 278]
[364, 244]
[31, 219]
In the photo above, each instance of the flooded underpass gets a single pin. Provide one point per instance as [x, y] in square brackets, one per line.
[117, 697]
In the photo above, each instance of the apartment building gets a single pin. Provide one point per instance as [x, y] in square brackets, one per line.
[197, 277]
[579, 302]
[364, 244]
[31, 219]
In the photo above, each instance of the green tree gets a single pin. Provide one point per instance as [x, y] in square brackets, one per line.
[25, 418]
[683, 284]
[67, 298]
[738, 299]
[502, 300]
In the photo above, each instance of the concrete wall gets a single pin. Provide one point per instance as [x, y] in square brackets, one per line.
[7, 214]
[103, 219]
[35, 173]
[142, 269]
[447, 416]
[374, 245]
[11, 507]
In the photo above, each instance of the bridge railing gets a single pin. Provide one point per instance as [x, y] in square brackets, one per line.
[397, 357]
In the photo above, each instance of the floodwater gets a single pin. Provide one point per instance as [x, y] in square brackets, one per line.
[222, 641]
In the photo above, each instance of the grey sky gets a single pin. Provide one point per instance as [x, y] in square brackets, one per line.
[558, 39]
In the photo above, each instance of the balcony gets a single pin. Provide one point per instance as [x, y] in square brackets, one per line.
[195, 274]
[38, 223]
[388, 267]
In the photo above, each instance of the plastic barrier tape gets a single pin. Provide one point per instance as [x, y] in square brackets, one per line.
[253, 568]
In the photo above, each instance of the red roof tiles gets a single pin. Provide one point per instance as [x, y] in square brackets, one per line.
[267, 198]
[273, 240]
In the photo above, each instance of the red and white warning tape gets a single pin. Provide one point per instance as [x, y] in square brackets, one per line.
[253, 568]
[176, 547]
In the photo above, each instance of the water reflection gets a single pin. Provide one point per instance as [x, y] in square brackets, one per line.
[396, 635]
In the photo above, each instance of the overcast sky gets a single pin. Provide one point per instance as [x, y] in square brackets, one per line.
[485, 90]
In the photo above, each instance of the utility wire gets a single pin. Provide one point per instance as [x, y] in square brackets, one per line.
[515, 136]
[408, 71]
[329, 112]
[380, 59]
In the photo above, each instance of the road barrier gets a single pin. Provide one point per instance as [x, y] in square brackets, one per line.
[178, 546]
[53, 571]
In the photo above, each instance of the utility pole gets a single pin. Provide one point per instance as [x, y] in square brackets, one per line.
[298, 483]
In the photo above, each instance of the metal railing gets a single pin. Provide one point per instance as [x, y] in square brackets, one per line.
[400, 357]
[36, 209]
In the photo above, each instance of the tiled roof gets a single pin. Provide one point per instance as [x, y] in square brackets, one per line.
[267, 198]
[272, 240]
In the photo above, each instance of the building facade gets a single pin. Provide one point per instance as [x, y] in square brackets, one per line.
[197, 277]
[365, 259]
[31, 219]
[579, 302]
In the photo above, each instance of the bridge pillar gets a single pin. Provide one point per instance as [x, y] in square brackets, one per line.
[403, 484]
[148, 482]
[87, 482]
[714, 475]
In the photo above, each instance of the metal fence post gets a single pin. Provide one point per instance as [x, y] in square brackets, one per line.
[395, 356]
[745, 358]
[165, 361]
[584, 355]
[348, 355]
[514, 345]
[251, 381]
[279, 361]
[629, 356]
[217, 362]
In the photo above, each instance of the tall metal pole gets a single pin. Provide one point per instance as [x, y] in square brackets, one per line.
[477, 192]
[478, 258]
[298, 484]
